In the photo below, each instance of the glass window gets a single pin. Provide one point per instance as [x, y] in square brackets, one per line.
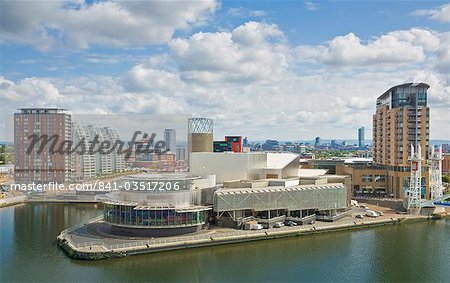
[366, 178]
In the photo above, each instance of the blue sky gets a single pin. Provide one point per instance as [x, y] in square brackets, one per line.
[263, 69]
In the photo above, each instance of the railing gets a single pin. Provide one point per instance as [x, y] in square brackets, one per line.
[168, 240]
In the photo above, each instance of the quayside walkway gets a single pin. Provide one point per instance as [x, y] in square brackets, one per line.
[92, 240]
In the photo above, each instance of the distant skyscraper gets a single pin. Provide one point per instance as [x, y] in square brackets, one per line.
[361, 143]
[170, 139]
[46, 166]
[317, 141]
[333, 144]
[245, 142]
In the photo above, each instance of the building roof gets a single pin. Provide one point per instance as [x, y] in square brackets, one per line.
[280, 160]
[387, 92]
[303, 173]
[357, 160]
[161, 176]
[233, 191]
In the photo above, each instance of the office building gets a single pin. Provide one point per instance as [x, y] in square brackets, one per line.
[317, 142]
[181, 153]
[221, 146]
[235, 142]
[361, 142]
[48, 165]
[269, 145]
[170, 140]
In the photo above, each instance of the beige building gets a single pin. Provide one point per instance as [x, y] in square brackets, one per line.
[402, 118]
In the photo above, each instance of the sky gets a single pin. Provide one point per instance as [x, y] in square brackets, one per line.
[287, 70]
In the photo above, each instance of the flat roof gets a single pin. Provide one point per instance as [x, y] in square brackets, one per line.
[311, 172]
[238, 191]
[161, 176]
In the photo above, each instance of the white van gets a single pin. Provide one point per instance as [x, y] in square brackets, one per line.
[371, 213]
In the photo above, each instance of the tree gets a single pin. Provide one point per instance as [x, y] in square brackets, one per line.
[446, 179]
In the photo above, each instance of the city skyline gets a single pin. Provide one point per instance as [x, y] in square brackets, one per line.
[294, 69]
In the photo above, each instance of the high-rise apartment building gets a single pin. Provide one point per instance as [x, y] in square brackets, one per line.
[170, 140]
[361, 142]
[49, 164]
[112, 160]
[84, 163]
[117, 155]
[402, 118]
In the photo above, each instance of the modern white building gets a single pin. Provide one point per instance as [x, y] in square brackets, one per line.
[117, 155]
[91, 163]
[84, 164]
[229, 166]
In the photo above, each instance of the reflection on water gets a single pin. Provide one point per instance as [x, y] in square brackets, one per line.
[415, 252]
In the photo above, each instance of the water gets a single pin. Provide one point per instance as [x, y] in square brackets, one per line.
[413, 252]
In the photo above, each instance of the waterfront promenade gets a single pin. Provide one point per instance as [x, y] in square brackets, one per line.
[91, 242]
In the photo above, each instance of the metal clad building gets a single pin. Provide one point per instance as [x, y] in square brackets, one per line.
[323, 197]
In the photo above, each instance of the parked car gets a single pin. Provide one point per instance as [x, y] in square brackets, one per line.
[265, 225]
[278, 225]
[380, 213]
[256, 227]
[371, 213]
[359, 216]
[290, 223]
[311, 222]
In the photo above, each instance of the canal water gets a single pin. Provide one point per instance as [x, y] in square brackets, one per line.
[410, 252]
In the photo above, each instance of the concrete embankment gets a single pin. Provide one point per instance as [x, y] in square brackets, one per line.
[98, 250]
[12, 201]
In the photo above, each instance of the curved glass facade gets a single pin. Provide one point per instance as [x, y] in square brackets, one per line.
[126, 215]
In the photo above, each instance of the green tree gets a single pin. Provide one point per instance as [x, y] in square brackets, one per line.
[2, 154]
[446, 179]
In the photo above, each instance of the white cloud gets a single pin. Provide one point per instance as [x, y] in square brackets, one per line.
[394, 48]
[49, 24]
[442, 14]
[249, 82]
[246, 13]
[312, 6]
[251, 52]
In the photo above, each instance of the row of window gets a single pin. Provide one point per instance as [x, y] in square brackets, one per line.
[373, 178]
[126, 215]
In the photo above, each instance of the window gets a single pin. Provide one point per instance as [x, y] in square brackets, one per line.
[366, 178]
[380, 178]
